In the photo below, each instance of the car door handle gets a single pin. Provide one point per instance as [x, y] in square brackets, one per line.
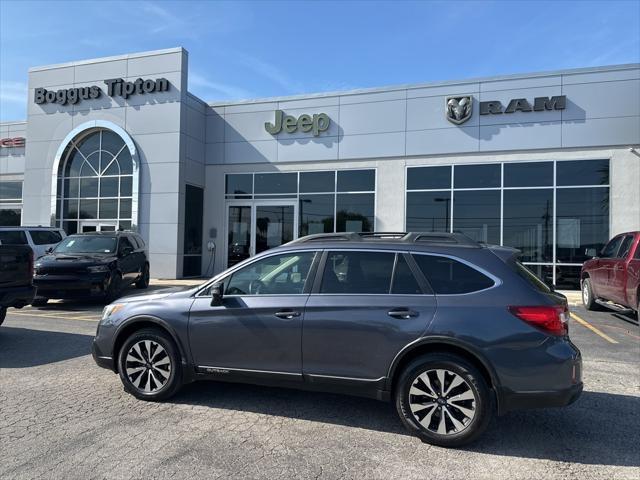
[287, 314]
[403, 313]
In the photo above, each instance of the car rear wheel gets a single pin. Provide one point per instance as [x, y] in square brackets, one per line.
[149, 365]
[143, 281]
[588, 300]
[444, 400]
[3, 314]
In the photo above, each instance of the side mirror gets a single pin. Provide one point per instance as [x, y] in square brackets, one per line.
[126, 251]
[48, 250]
[590, 252]
[217, 290]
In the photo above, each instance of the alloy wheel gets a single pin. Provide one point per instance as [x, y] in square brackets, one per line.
[148, 366]
[442, 401]
[585, 293]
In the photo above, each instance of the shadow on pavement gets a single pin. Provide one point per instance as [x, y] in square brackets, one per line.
[599, 429]
[22, 347]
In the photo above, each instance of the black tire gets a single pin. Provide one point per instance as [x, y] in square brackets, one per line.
[113, 291]
[3, 314]
[39, 302]
[588, 299]
[137, 385]
[143, 281]
[474, 382]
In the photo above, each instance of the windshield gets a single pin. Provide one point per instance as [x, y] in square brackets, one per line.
[87, 244]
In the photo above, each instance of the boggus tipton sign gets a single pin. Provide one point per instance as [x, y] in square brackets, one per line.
[116, 87]
[316, 124]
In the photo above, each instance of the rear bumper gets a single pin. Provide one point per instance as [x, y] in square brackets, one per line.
[71, 286]
[17, 296]
[545, 399]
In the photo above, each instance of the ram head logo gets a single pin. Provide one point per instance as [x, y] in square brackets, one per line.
[459, 109]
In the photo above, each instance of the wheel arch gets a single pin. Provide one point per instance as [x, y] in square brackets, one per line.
[443, 345]
[134, 324]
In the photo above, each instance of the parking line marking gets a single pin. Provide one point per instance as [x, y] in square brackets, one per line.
[595, 330]
[49, 315]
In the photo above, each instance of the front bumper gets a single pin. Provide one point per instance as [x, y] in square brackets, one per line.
[102, 360]
[72, 285]
[17, 296]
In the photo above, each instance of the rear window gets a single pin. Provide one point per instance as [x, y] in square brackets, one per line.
[530, 277]
[449, 276]
[16, 237]
[45, 237]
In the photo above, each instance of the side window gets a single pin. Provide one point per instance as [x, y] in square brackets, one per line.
[275, 275]
[45, 237]
[611, 248]
[15, 237]
[124, 242]
[625, 247]
[449, 276]
[404, 282]
[637, 254]
[357, 272]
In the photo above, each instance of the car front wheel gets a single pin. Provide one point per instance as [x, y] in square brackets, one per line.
[444, 400]
[149, 365]
[143, 281]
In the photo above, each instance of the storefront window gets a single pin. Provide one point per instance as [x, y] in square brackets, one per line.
[519, 204]
[316, 213]
[354, 212]
[10, 217]
[95, 184]
[193, 216]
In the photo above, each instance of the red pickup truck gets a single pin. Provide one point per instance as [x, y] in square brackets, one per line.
[613, 278]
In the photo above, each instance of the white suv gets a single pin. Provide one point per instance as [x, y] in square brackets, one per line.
[40, 239]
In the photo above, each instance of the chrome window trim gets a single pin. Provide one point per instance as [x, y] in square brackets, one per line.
[496, 280]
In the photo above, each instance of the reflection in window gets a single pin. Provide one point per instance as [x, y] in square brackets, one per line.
[476, 176]
[528, 174]
[428, 211]
[193, 212]
[582, 172]
[10, 191]
[528, 223]
[357, 273]
[582, 222]
[95, 181]
[354, 212]
[10, 217]
[316, 214]
[428, 178]
[477, 215]
[269, 183]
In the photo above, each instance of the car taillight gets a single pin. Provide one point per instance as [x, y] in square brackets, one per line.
[551, 319]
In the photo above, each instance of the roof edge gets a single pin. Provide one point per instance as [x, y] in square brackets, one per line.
[415, 86]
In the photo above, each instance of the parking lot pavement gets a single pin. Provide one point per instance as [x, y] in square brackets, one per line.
[63, 417]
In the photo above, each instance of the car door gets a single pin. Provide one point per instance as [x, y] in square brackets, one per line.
[127, 261]
[257, 329]
[364, 309]
[602, 273]
[618, 276]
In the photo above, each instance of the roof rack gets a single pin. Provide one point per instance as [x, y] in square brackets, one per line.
[433, 238]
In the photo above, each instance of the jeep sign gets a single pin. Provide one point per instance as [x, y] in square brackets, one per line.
[317, 123]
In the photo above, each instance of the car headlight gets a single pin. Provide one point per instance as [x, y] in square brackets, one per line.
[98, 269]
[111, 310]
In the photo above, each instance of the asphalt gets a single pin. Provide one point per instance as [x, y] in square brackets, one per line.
[61, 417]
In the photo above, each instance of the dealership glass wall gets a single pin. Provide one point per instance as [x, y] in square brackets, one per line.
[193, 215]
[553, 211]
[328, 201]
[10, 203]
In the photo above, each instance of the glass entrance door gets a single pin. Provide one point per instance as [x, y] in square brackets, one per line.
[253, 227]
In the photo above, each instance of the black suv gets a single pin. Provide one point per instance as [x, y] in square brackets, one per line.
[97, 264]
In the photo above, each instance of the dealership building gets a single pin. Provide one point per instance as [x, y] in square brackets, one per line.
[545, 162]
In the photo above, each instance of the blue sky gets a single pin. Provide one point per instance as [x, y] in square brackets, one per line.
[258, 49]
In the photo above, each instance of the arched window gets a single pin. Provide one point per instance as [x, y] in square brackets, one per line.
[95, 183]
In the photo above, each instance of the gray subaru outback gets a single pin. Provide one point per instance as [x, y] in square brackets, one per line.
[450, 330]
